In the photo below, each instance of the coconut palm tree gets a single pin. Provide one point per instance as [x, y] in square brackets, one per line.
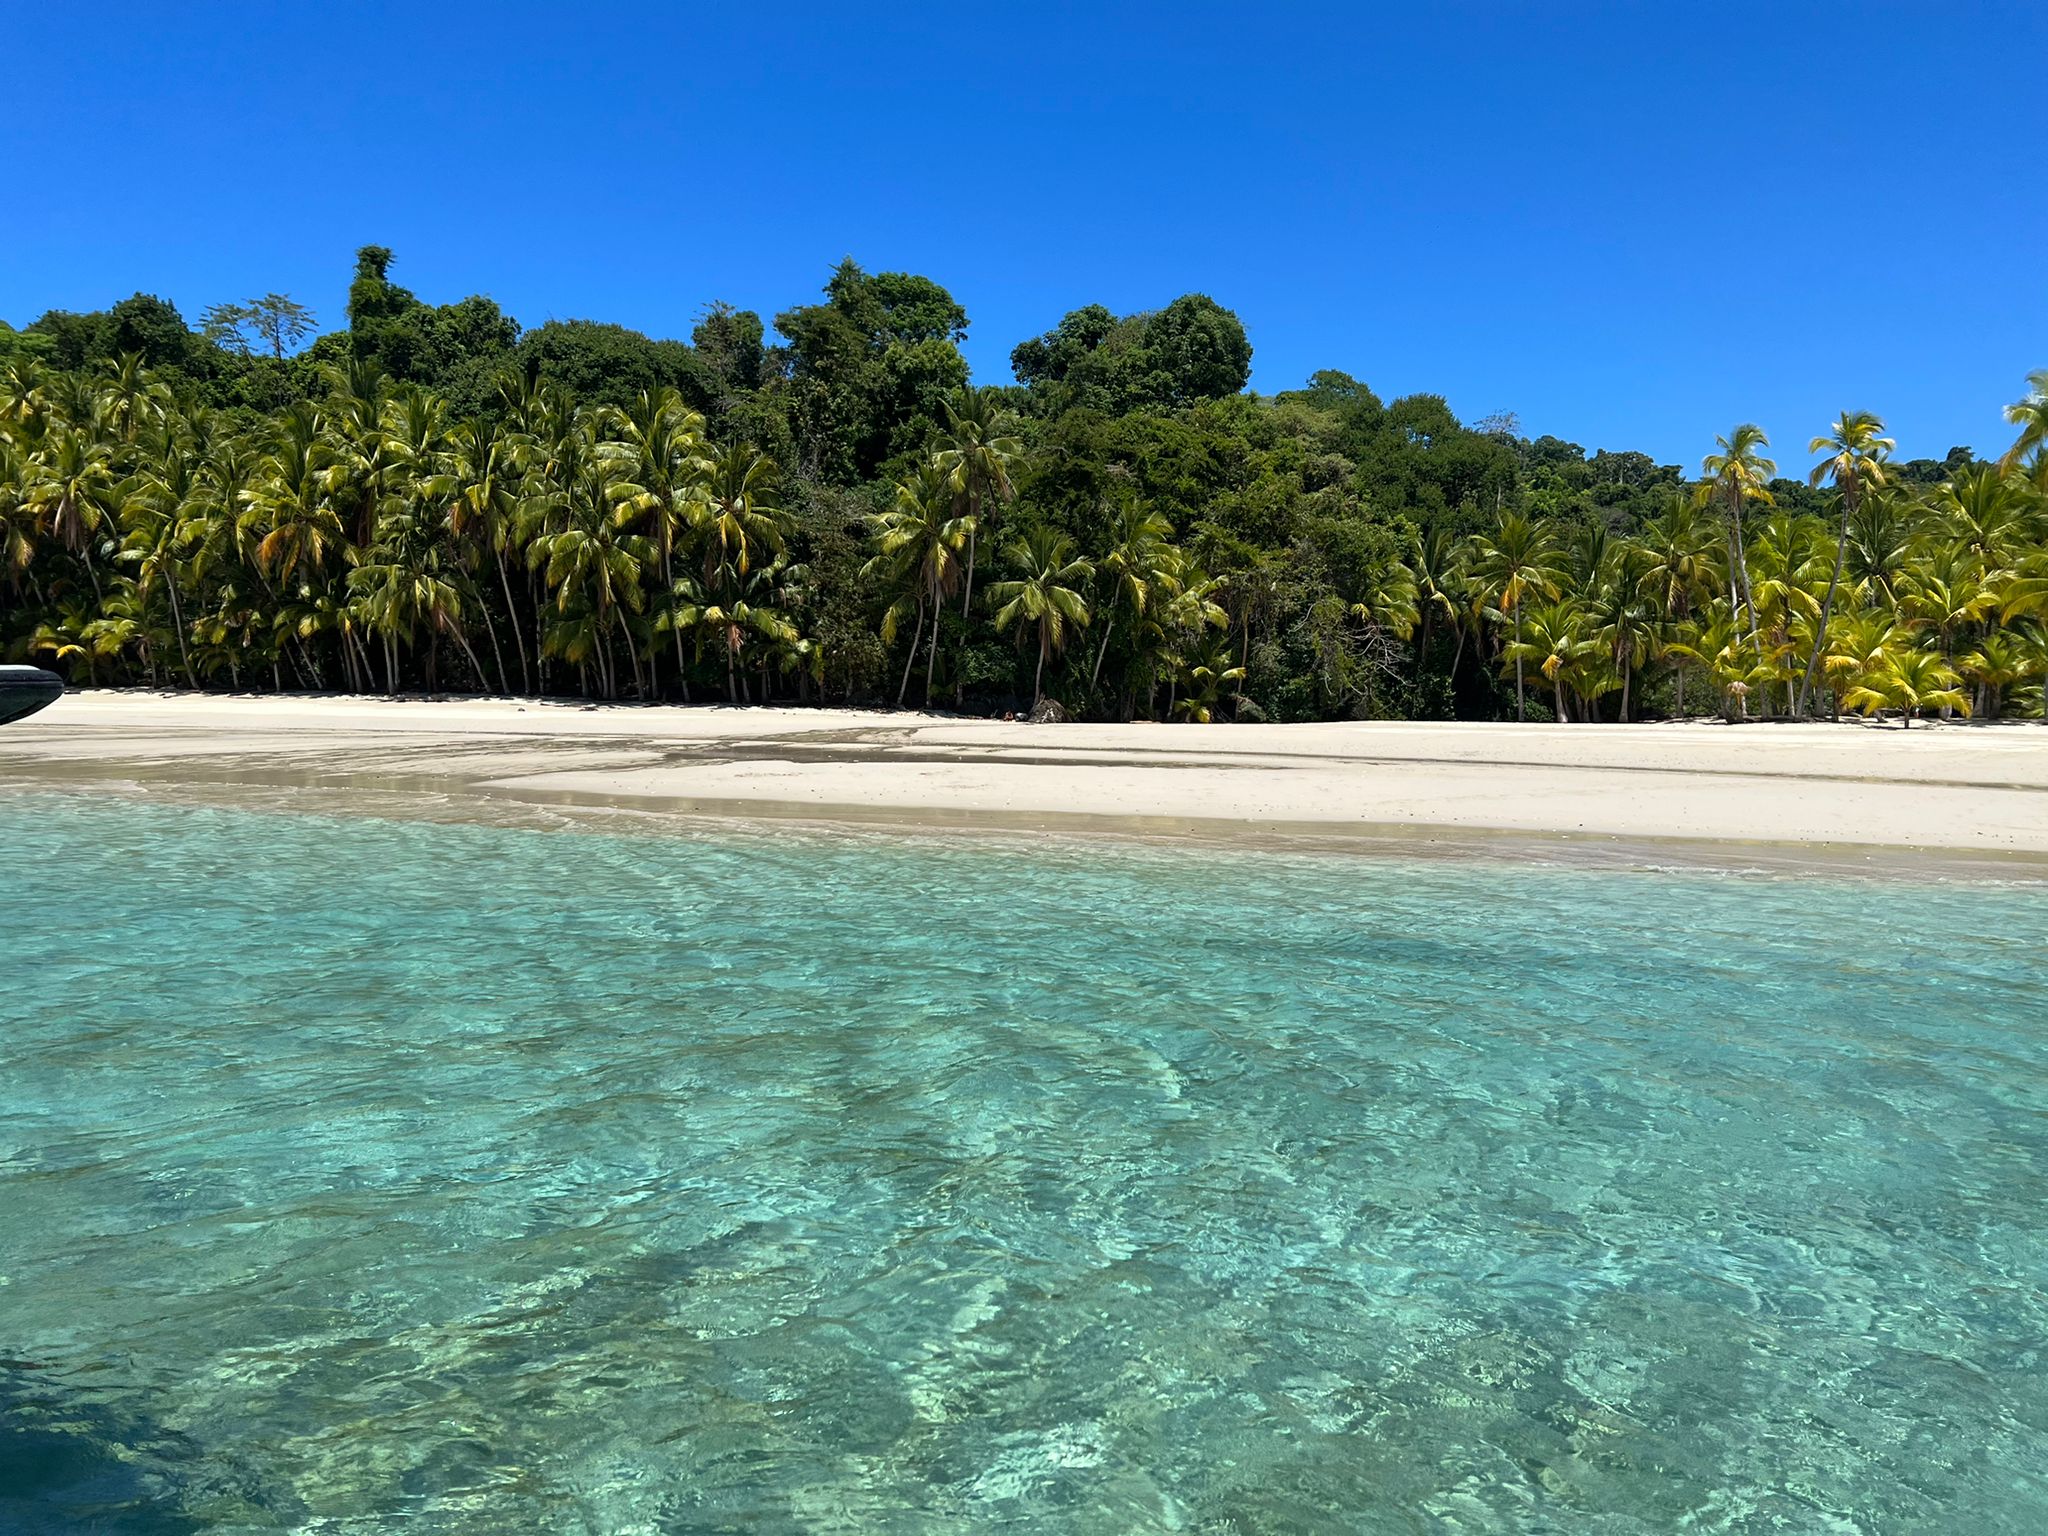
[1047, 593]
[1437, 562]
[73, 492]
[1854, 453]
[977, 453]
[1908, 679]
[1207, 676]
[1513, 562]
[917, 554]
[1624, 616]
[2030, 415]
[1677, 571]
[592, 565]
[1140, 567]
[1738, 473]
[675, 467]
[161, 519]
[483, 507]
[2001, 659]
[740, 521]
[1554, 638]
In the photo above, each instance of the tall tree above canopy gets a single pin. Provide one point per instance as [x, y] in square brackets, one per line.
[372, 296]
[141, 324]
[1162, 360]
[276, 320]
[870, 368]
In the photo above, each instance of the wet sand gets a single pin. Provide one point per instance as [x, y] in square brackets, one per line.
[1832, 790]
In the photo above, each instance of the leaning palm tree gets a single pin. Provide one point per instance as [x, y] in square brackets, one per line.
[1855, 452]
[1740, 473]
[1047, 593]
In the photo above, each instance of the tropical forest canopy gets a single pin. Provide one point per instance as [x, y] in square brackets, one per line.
[823, 509]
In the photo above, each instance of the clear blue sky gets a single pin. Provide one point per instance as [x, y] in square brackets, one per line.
[1632, 224]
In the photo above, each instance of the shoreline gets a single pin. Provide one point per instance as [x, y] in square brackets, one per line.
[1961, 800]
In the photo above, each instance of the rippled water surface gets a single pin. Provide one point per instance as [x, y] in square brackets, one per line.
[360, 1176]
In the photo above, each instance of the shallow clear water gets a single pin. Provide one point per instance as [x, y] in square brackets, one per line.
[362, 1176]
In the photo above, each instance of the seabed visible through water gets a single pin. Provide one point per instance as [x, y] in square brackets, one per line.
[372, 1173]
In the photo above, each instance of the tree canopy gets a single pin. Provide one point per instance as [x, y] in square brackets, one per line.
[827, 509]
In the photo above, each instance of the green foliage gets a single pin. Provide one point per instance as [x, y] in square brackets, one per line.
[432, 497]
[1192, 350]
[868, 370]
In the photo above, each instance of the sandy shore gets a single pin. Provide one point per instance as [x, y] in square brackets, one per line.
[1964, 788]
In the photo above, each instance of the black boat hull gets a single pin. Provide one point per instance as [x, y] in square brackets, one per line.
[24, 690]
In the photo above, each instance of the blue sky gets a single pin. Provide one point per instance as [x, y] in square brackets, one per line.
[1631, 224]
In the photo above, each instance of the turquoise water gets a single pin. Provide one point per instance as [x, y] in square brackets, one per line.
[362, 1176]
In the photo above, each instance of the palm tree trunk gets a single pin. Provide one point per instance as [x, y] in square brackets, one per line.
[931, 650]
[1742, 569]
[178, 622]
[910, 659]
[1521, 703]
[476, 666]
[1827, 607]
[1557, 690]
[512, 618]
[1108, 625]
[1628, 673]
[1038, 677]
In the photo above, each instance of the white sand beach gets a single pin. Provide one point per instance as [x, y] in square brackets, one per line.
[1958, 787]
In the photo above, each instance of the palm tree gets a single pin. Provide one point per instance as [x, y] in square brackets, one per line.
[1908, 679]
[73, 494]
[2001, 659]
[483, 506]
[593, 566]
[1678, 568]
[1855, 450]
[1047, 593]
[161, 522]
[1140, 567]
[2030, 415]
[918, 542]
[1739, 472]
[740, 521]
[1555, 639]
[1436, 560]
[977, 455]
[675, 468]
[1986, 510]
[1207, 676]
[1515, 560]
[1624, 619]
